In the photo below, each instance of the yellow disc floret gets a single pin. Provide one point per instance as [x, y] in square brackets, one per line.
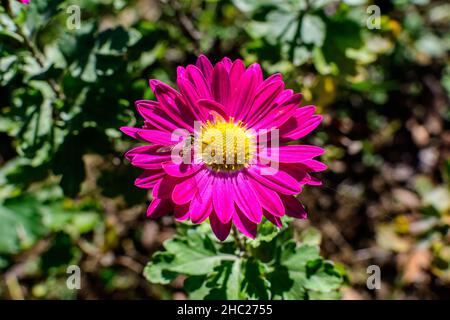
[226, 145]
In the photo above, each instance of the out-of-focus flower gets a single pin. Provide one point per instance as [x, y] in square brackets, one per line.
[218, 147]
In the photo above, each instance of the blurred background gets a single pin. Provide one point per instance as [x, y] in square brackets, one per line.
[377, 70]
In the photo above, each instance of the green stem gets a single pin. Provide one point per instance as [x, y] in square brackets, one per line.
[35, 53]
[239, 243]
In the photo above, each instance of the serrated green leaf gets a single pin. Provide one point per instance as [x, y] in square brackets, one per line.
[157, 270]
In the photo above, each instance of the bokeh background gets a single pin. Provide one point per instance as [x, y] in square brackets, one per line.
[67, 195]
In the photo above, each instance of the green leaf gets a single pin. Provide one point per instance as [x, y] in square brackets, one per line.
[8, 69]
[302, 272]
[296, 258]
[284, 285]
[116, 41]
[311, 236]
[255, 283]
[431, 45]
[278, 25]
[194, 254]
[267, 231]
[196, 287]
[321, 64]
[71, 221]
[313, 30]
[157, 270]
[323, 281]
[234, 281]
[193, 257]
[21, 224]
[223, 283]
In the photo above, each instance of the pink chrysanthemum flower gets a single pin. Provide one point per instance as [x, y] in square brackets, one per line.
[25, 1]
[213, 102]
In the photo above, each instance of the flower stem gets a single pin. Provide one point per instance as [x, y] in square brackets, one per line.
[239, 243]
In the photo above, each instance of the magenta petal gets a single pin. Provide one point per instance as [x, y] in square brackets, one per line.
[201, 204]
[199, 81]
[153, 136]
[220, 229]
[180, 169]
[148, 157]
[313, 181]
[223, 201]
[171, 102]
[149, 162]
[296, 170]
[258, 72]
[200, 210]
[221, 84]
[245, 198]
[276, 77]
[130, 131]
[146, 107]
[181, 73]
[244, 225]
[152, 113]
[286, 94]
[181, 213]
[211, 107]
[159, 207]
[206, 67]
[294, 207]
[275, 220]
[184, 191]
[165, 187]
[278, 116]
[279, 181]
[305, 128]
[130, 154]
[300, 116]
[236, 72]
[295, 153]
[149, 178]
[299, 171]
[314, 165]
[227, 63]
[264, 98]
[191, 97]
[158, 137]
[244, 93]
[270, 200]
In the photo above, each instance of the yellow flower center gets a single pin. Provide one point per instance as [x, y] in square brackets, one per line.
[226, 145]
